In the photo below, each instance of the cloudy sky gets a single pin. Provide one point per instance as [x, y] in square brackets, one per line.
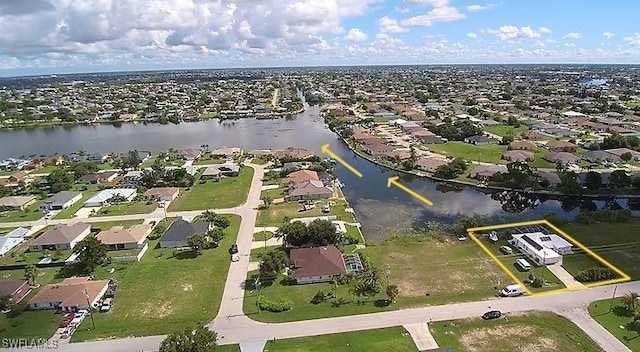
[60, 36]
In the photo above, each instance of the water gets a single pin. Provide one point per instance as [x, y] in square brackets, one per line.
[382, 211]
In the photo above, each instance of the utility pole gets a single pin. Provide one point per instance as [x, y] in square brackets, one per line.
[86, 294]
[258, 285]
[613, 297]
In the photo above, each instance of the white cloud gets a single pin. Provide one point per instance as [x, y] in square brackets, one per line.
[356, 35]
[572, 35]
[440, 14]
[608, 35]
[634, 39]
[433, 3]
[477, 7]
[472, 35]
[509, 32]
[390, 25]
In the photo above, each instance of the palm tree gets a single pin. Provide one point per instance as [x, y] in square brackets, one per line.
[30, 274]
[6, 302]
[392, 292]
[630, 300]
[267, 200]
[373, 278]
[209, 216]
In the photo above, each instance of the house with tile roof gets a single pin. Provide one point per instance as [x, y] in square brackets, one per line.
[61, 236]
[316, 264]
[70, 294]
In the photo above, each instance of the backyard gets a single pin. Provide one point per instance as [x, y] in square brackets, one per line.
[485, 153]
[129, 208]
[31, 213]
[228, 192]
[394, 339]
[612, 315]
[535, 331]
[503, 130]
[151, 306]
[275, 215]
[274, 193]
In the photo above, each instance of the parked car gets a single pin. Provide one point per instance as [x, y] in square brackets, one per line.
[233, 249]
[493, 314]
[523, 264]
[506, 250]
[326, 208]
[106, 305]
[49, 216]
[512, 291]
[66, 319]
[235, 257]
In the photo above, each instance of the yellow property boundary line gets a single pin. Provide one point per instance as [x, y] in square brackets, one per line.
[471, 232]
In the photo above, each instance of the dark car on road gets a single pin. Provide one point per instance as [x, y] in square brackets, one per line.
[233, 249]
[493, 314]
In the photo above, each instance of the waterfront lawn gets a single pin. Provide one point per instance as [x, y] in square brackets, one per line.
[615, 242]
[377, 340]
[226, 193]
[612, 315]
[275, 215]
[534, 331]
[31, 213]
[22, 323]
[166, 291]
[152, 161]
[106, 225]
[140, 207]
[274, 193]
[485, 153]
[503, 130]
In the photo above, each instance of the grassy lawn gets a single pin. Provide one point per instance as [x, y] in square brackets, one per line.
[460, 267]
[539, 162]
[165, 291]
[276, 214]
[274, 193]
[516, 332]
[31, 213]
[379, 340]
[503, 130]
[353, 232]
[207, 160]
[6, 230]
[21, 255]
[152, 161]
[105, 225]
[21, 323]
[228, 348]
[262, 236]
[259, 161]
[142, 207]
[485, 153]
[612, 315]
[228, 192]
[46, 169]
[617, 243]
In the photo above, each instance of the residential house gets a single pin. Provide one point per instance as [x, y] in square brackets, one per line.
[618, 152]
[61, 236]
[262, 153]
[518, 155]
[294, 153]
[16, 179]
[596, 156]
[523, 145]
[105, 196]
[561, 146]
[486, 172]
[51, 160]
[191, 170]
[132, 177]
[300, 176]
[119, 238]
[16, 202]
[375, 146]
[551, 177]
[297, 165]
[17, 289]
[562, 157]
[534, 136]
[189, 154]
[308, 190]
[316, 264]
[542, 248]
[61, 200]
[159, 194]
[12, 240]
[99, 177]
[228, 153]
[480, 140]
[399, 154]
[71, 294]
[214, 172]
[430, 164]
[177, 234]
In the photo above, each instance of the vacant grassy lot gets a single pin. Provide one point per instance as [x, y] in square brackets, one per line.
[21, 323]
[379, 340]
[617, 243]
[262, 235]
[105, 225]
[228, 192]
[612, 314]
[207, 160]
[422, 279]
[276, 214]
[503, 130]
[274, 193]
[259, 161]
[535, 331]
[31, 213]
[141, 207]
[485, 153]
[166, 291]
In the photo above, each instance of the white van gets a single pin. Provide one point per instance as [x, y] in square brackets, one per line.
[512, 291]
[523, 264]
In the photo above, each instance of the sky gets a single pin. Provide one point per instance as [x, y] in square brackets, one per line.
[67, 36]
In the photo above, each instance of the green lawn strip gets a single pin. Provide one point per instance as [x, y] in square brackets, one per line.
[228, 192]
[377, 340]
[503, 130]
[256, 253]
[491, 153]
[353, 232]
[46, 169]
[276, 213]
[262, 235]
[30, 324]
[166, 291]
[208, 161]
[31, 213]
[539, 162]
[141, 207]
[274, 193]
[614, 316]
[535, 331]
[617, 243]
[228, 348]
[106, 225]
[6, 230]
[152, 161]
[259, 161]
[460, 267]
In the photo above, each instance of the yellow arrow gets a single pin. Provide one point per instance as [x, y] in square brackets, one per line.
[326, 150]
[393, 180]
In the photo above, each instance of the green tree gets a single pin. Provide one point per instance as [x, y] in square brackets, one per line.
[507, 139]
[91, 253]
[273, 262]
[31, 273]
[197, 242]
[569, 181]
[6, 302]
[59, 180]
[222, 222]
[295, 233]
[322, 233]
[267, 200]
[519, 175]
[593, 180]
[199, 340]
[392, 292]
[630, 300]
[216, 235]
[209, 216]
[620, 178]
[451, 170]
[626, 156]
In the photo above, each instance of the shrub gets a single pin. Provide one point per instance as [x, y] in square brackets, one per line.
[281, 305]
[596, 273]
[319, 297]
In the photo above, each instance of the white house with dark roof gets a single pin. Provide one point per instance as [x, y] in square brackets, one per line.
[542, 248]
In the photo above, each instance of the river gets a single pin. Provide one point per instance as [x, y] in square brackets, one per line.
[382, 211]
